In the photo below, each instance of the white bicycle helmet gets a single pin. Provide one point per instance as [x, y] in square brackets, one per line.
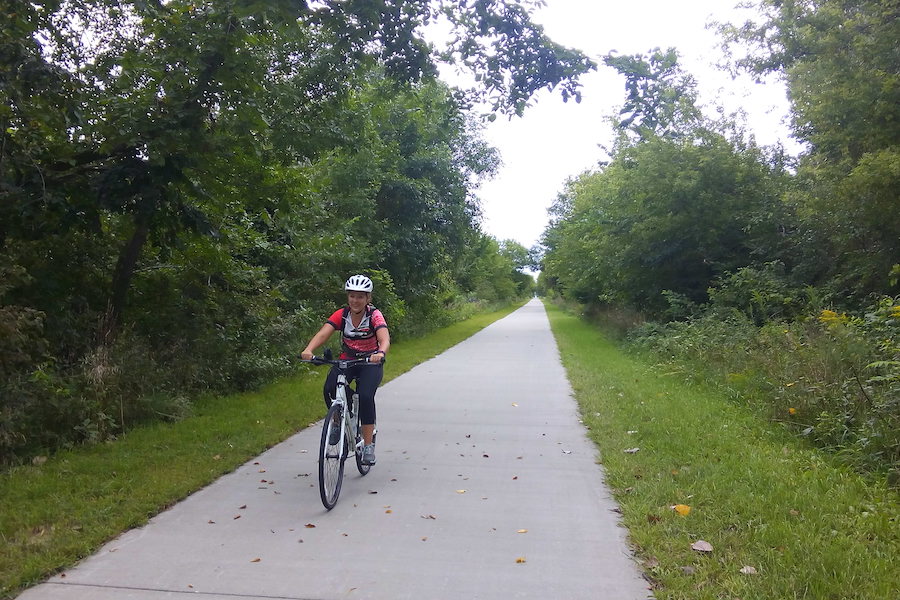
[359, 283]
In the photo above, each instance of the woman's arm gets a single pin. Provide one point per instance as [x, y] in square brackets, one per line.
[384, 344]
[320, 338]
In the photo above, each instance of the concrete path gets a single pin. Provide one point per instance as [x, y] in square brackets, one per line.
[486, 487]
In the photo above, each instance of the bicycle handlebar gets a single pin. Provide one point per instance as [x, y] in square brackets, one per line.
[343, 363]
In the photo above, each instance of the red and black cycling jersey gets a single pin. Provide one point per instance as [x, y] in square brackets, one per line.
[358, 340]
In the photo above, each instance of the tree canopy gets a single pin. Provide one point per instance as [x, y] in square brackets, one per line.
[184, 186]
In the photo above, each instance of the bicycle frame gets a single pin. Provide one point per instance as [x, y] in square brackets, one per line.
[350, 426]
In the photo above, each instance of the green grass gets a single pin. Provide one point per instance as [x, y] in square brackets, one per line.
[809, 527]
[54, 514]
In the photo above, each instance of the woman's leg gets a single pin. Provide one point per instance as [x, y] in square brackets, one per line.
[329, 390]
[367, 382]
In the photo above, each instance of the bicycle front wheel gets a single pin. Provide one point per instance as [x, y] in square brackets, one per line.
[331, 460]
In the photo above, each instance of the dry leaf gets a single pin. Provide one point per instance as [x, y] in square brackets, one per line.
[256, 560]
[520, 560]
[522, 531]
[236, 517]
[747, 570]
[431, 517]
[388, 511]
[682, 509]
[514, 404]
[702, 546]
[460, 491]
[242, 507]
[310, 526]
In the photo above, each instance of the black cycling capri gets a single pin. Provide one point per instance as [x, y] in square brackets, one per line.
[368, 378]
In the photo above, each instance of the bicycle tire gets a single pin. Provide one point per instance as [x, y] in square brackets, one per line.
[331, 460]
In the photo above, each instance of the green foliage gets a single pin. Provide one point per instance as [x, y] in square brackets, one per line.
[843, 73]
[832, 379]
[186, 185]
[762, 294]
[666, 214]
[660, 98]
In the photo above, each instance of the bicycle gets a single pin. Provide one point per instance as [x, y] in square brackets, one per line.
[332, 456]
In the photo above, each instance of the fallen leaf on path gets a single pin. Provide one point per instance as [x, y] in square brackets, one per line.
[242, 507]
[431, 517]
[702, 546]
[460, 491]
[256, 560]
[748, 570]
[236, 517]
[682, 509]
[520, 560]
[514, 404]
[310, 526]
[515, 477]
[211, 522]
[522, 531]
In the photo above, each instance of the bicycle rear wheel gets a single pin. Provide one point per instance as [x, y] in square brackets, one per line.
[331, 460]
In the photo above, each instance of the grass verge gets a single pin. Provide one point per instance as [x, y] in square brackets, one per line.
[54, 514]
[808, 527]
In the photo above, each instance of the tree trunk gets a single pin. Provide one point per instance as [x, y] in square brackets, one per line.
[121, 282]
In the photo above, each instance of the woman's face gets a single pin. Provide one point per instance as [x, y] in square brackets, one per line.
[358, 300]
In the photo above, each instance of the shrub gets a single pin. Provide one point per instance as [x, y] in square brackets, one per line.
[832, 378]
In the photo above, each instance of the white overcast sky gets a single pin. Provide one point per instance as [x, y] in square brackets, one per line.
[554, 141]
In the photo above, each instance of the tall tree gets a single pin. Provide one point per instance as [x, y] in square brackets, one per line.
[842, 68]
[660, 97]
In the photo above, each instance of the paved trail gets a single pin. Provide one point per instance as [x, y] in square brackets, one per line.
[475, 447]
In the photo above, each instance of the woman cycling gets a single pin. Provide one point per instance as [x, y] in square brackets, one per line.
[364, 333]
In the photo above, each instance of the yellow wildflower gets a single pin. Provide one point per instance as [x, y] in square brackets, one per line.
[829, 317]
[792, 411]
